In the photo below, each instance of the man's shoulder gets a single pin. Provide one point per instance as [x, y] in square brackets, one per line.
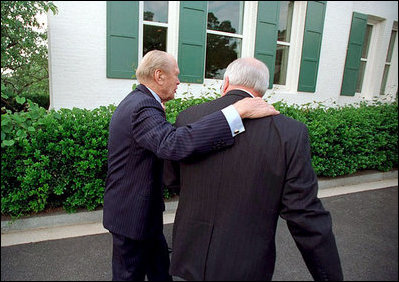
[137, 98]
[195, 112]
[286, 120]
[288, 128]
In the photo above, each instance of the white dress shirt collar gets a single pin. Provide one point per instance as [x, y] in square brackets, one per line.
[155, 95]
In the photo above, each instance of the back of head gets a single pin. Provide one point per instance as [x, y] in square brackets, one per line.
[249, 72]
[152, 61]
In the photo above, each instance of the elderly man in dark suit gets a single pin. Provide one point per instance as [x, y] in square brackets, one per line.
[139, 138]
[230, 200]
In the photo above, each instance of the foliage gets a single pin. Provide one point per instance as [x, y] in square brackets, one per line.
[348, 139]
[59, 158]
[24, 65]
[175, 106]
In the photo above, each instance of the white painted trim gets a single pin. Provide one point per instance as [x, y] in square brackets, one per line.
[172, 45]
[229, 34]
[156, 24]
[295, 50]
[372, 81]
[141, 31]
[249, 29]
[172, 28]
[284, 43]
[246, 49]
[391, 87]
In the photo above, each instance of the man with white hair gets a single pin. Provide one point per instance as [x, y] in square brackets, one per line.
[139, 139]
[230, 200]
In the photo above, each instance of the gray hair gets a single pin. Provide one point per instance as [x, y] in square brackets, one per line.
[152, 61]
[248, 72]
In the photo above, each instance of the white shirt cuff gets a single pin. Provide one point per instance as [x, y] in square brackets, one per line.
[234, 120]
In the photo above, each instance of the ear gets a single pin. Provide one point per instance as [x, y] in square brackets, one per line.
[159, 77]
[225, 85]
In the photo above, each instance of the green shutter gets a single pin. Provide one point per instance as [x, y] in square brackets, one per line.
[266, 34]
[311, 46]
[192, 40]
[122, 38]
[354, 54]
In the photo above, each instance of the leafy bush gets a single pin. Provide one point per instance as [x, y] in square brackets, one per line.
[348, 139]
[42, 99]
[59, 158]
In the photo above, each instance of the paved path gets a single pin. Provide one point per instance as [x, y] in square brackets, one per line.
[365, 226]
[58, 226]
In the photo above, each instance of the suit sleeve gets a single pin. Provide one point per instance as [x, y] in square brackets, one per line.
[308, 222]
[151, 130]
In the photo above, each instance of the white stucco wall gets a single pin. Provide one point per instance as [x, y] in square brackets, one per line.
[77, 57]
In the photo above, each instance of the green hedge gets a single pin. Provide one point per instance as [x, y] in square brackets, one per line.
[59, 158]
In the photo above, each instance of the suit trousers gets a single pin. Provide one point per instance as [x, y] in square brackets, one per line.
[133, 259]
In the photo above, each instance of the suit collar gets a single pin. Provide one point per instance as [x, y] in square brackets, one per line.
[144, 89]
[239, 92]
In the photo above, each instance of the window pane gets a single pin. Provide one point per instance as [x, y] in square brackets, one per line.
[384, 80]
[154, 38]
[225, 16]
[280, 69]
[220, 52]
[284, 29]
[366, 43]
[360, 78]
[391, 44]
[156, 11]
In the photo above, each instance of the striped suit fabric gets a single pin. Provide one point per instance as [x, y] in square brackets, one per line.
[230, 201]
[139, 139]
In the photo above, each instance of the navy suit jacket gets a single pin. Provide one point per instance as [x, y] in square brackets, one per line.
[230, 202]
[139, 139]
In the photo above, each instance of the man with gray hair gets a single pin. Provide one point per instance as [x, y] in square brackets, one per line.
[230, 200]
[139, 139]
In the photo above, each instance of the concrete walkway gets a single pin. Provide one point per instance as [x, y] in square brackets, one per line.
[63, 225]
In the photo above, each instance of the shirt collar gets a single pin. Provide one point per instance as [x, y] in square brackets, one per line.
[155, 95]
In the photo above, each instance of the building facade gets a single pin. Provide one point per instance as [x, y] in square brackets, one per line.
[335, 53]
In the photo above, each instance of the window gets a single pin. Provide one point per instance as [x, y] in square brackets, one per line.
[283, 42]
[224, 36]
[388, 59]
[363, 60]
[155, 25]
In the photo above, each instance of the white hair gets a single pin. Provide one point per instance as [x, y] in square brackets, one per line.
[248, 72]
[152, 61]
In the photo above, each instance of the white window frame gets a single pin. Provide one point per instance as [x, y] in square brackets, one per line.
[244, 34]
[371, 85]
[288, 44]
[295, 52]
[366, 60]
[248, 37]
[295, 49]
[392, 64]
[172, 28]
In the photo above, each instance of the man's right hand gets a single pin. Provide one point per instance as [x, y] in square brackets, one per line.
[254, 108]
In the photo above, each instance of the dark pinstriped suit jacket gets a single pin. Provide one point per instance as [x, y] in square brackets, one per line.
[139, 138]
[230, 202]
